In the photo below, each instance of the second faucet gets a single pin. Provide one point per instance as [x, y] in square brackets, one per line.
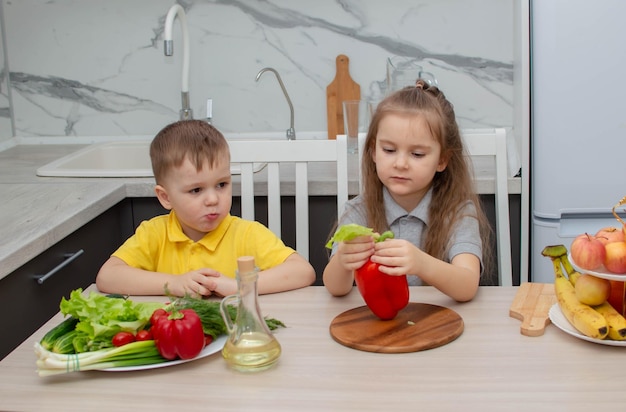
[291, 132]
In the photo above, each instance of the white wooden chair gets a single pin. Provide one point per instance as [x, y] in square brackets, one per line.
[488, 142]
[290, 154]
[492, 142]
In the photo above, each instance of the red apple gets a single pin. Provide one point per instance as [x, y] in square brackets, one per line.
[615, 258]
[610, 234]
[588, 252]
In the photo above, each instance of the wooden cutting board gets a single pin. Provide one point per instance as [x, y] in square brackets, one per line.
[341, 88]
[531, 305]
[417, 327]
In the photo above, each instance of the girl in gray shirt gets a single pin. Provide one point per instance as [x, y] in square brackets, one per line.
[418, 184]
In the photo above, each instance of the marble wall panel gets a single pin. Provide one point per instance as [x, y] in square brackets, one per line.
[97, 67]
[6, 131]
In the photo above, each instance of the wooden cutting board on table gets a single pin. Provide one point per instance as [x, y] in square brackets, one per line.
[341, 88]
[531, 305]
[419, 326]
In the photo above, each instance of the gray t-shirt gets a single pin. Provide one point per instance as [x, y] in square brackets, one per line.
[412, 226]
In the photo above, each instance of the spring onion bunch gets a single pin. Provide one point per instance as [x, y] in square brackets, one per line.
[133, 354]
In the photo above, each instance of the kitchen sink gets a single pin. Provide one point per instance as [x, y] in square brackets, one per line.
[111, 159]
[131, 158]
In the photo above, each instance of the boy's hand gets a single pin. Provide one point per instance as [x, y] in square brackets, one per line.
[200, 282]
[223, 286]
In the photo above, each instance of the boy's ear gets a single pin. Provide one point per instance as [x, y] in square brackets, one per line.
[163, 197]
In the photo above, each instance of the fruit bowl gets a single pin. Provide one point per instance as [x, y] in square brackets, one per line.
[600, 273]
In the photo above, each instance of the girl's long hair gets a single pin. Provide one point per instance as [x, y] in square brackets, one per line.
[452, 188]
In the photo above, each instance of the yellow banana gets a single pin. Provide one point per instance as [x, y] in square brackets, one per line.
[572, 274]
[559, 252]
[583, 317]
[554, 251]
[615, 321]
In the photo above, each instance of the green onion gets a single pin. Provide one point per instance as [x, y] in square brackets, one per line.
[133, 354]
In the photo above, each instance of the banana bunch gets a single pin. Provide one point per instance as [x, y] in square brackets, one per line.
[601, 321]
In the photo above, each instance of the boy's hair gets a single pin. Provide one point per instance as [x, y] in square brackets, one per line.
[452, 188]
[195, 140]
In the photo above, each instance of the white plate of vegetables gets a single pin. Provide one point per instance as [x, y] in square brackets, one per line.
[86, 339]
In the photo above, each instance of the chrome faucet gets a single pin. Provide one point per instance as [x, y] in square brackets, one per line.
[174, 11]
[291, 132]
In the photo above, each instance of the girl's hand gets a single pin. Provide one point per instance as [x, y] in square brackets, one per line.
[353, 254]
[397, 257]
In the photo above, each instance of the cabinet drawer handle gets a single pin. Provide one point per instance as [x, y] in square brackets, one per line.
[69, 258]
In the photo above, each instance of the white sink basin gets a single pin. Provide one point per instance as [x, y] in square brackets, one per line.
[129, 158]
[111, 159]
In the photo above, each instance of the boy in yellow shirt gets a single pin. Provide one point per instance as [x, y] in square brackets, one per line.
[194, 248]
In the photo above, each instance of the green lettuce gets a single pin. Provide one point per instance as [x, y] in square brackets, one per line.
[352, 230]
[100, 317]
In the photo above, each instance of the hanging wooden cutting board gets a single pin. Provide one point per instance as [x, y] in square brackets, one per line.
[341, 88]
[419, 326]
[532, 305]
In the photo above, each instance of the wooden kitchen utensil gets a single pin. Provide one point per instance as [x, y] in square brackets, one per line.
[341, 88]
[531, 305]
[419, 326]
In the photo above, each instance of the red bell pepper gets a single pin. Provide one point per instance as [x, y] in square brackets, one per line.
[177, 334]
[384, 294]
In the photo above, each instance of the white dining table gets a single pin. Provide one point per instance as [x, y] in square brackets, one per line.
[491, 366]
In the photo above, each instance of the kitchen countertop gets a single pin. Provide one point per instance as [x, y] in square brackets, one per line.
[40, 211]
[489, 367]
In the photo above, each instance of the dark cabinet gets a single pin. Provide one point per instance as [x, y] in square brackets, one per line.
[515, 216]
[27, 304]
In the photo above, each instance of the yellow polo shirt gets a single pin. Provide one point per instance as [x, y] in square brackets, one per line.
[159, 245]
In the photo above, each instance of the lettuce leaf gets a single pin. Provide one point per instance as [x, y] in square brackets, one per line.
[352, 230]
[100, 317]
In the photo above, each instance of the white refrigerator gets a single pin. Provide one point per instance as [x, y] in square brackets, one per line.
[578, 121]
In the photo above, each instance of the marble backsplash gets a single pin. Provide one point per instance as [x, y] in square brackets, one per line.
[97, 67]
[5, 111]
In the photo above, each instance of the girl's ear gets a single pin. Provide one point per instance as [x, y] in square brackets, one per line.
[443, 163]
[163, 197]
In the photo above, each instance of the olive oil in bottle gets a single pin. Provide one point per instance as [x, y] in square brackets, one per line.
[251, 346]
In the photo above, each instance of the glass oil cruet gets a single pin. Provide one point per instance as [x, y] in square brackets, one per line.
[250, 346]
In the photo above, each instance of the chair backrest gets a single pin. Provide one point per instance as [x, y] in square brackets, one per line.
[298, 154]
[492, 142]
[488, 142]
[361, 147]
